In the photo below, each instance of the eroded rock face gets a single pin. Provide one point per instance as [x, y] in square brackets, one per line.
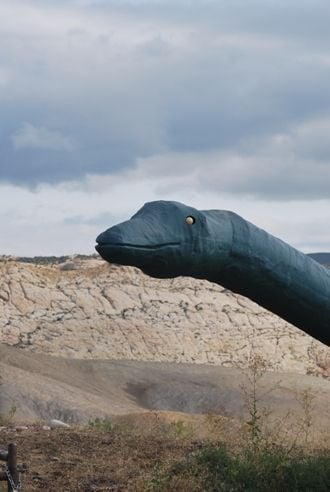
[88, 309]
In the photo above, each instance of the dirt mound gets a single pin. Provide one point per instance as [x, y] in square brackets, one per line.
[44, 387]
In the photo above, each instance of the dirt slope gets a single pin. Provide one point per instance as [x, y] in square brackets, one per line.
[43, 387]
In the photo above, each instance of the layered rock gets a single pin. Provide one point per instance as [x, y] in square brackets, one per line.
[88, 309]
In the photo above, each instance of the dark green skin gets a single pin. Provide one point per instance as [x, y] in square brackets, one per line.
[224, 248]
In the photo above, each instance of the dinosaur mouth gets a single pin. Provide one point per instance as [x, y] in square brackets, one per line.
[101, 246]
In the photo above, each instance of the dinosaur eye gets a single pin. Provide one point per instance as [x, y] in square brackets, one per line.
[190, 220]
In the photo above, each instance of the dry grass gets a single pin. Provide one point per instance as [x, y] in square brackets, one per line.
[138, 452]
[166, 451]
[91, 459]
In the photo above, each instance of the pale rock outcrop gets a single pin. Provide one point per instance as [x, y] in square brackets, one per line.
[88, 309]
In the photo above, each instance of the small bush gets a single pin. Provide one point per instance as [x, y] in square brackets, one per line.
[216, 468]
[102, 424]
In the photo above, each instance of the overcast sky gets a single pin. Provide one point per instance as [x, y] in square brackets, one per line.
[105, 105]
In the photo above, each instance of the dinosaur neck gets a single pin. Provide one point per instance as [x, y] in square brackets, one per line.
[276, 276]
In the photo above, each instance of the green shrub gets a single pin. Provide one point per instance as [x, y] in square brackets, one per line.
[216, 468]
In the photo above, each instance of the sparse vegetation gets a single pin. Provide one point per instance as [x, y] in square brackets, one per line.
[105, 424]
[262, 460]
[95, 459]
[162, 452]
[6, 418]
[180, 429]
[217, 468]
[47, 260]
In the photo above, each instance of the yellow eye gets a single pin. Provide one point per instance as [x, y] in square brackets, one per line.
[190, 220]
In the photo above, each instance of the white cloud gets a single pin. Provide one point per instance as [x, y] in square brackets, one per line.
[67, 218]
[33, 137]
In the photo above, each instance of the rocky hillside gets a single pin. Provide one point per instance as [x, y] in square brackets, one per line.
[84, 308]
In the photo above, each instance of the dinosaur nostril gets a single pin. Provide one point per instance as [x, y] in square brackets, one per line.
[108, 237]
[99, 238]
[102, 238]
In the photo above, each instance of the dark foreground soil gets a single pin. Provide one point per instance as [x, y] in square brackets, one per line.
[136, 452]
[92, 460]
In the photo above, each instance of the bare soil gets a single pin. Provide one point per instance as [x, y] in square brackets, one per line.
[42, 387]
[92, 460]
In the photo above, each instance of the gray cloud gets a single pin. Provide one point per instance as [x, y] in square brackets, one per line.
[104, 85]
[30, 136]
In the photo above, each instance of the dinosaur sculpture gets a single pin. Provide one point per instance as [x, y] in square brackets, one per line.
[167, 239]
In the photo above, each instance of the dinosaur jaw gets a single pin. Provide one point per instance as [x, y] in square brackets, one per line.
[154, 247]
[151, 259]
[107, 250]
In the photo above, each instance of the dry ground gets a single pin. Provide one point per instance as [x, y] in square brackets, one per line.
[91, 460]
[155, 414]
[123, 456]
[119, 456]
